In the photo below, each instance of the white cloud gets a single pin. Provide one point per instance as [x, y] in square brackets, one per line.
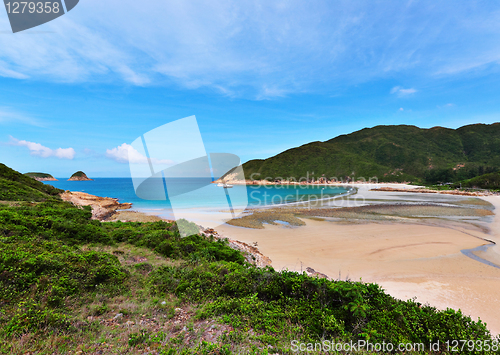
[401, 109]
[36, 149]
[64, 153]
[398, 90]
[125, 153]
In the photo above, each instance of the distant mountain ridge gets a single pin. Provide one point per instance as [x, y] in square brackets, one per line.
[390, 153]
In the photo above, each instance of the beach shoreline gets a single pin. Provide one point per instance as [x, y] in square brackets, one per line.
[408, 259]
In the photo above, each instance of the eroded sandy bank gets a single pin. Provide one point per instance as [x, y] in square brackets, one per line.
[102, 207]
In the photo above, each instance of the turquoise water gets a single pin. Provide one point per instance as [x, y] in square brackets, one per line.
[209, 197]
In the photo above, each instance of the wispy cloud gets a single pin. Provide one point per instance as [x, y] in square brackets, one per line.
[125, 153]
[36, 149]
[268, 93]
[9, 73]
[449, 105]
[8, 115]
[398, 90]
[71, 52]
[257, 49]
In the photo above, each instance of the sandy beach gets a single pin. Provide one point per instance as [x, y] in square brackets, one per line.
[409, 257]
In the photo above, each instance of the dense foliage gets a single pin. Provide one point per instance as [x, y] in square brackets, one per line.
[41, 263]
[489, 181]
[274, 302]
[390, 153]
[38, 279]
[15, 186]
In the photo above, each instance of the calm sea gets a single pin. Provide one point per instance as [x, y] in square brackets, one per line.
[208, 197]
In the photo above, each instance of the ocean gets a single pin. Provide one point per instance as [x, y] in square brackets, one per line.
[208, 196]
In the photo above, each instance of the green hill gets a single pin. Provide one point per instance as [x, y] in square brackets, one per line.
[15, 186]
[390, 153]
[79, 176]
[487, 181]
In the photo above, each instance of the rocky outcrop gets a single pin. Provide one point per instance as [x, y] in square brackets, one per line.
[252, 254]
[313, 273]
[231, 179]
[46, 179]
[79, 176]
[102, 207]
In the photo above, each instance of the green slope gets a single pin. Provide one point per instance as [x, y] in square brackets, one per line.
[391, 153]
[15, 186]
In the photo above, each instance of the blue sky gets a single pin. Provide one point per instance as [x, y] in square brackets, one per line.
[260, 76]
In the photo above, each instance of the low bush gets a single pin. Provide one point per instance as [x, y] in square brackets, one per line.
[285, 302]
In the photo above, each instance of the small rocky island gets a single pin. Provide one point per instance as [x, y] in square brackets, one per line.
[79, 176]
[41, 176]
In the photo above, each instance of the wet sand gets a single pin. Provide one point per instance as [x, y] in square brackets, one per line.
[407, 259]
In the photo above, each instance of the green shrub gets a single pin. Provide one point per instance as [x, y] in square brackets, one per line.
[135, 339]
[283, 302]
[15, 186]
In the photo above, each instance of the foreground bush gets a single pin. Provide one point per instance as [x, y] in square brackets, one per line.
[279, 302]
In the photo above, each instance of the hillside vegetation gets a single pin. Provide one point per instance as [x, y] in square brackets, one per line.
[487, 181]
[15, 186]
[72, 285]
[79, 174]
[390, 153]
